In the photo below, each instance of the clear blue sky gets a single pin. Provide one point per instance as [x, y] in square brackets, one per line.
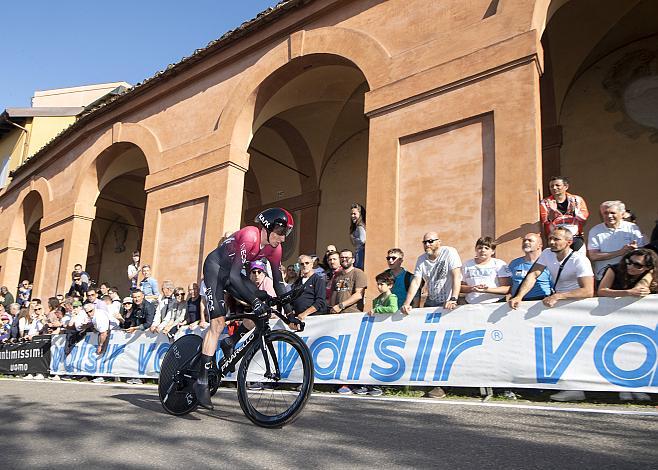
[55, 44]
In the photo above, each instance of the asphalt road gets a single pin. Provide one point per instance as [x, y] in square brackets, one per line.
[75, 425]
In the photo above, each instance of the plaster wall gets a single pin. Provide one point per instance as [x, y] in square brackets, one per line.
[429, 66]
[44, 129]
[606, 153]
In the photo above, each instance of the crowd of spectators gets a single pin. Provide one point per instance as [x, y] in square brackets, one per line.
[610, 262]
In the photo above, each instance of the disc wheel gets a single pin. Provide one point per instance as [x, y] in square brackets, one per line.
[274, 402]
[175, 390]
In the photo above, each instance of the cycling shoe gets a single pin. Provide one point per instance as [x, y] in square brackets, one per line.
[202, 392]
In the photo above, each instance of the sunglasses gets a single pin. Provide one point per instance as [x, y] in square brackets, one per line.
[256, 271]
[392, 258]
[430, 241]
[635, 265]
[180, 294]
[305, 263]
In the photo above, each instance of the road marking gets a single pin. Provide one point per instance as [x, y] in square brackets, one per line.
[449, 402]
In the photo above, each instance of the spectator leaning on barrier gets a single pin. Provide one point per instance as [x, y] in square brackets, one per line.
[164, 304]
[194, 314]
[348, 286]
[440, 268]
[149, 285]
[572, 278]
[103, 323]
[612, 239]
[485, 279]
[175, 315]
[386, 301]
[519, 268]
[142, 312]
[401, 277]
[113, 310]
[126, 313]
[562, 209]
[312, 299]
[635, 275]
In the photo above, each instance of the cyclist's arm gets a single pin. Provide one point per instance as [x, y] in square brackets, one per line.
[240, 286]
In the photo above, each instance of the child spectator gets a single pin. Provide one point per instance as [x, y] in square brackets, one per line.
[24, 293]
[485, 279]
[386, 301]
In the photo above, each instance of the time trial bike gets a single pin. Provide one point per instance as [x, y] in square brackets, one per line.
[274, 380]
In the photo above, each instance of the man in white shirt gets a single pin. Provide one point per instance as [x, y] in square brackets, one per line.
[103, 322]
[572, 277]
[485, 279]
[612, 239]
[571, 272]
[440, 268]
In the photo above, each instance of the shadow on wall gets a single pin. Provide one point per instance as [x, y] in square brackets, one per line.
[519, 233]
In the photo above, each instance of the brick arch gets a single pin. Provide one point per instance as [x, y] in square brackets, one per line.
[368, 55]
[87, 184]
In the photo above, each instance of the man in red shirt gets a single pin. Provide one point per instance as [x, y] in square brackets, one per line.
[562, 209]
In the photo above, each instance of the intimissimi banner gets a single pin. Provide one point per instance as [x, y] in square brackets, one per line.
[32, 357]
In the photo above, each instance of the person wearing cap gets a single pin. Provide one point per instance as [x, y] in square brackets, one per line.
[258, 275]
[5, 327]
[126, 311]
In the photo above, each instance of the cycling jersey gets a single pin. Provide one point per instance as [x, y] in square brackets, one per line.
[222, 270]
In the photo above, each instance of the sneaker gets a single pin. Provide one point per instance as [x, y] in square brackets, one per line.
[569, 395]
[255, 386]
[360, 390]
[99, 380]
[28, 377]
[436, 392]
[510, 395]
[65, 378]
[117, 379]
[640, 396]
[39, 377]
[625, 396]
[56, 378]
[375, 392]
[134, 381]
[345, 390]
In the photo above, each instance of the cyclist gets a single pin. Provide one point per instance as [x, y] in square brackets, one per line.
[222, 271]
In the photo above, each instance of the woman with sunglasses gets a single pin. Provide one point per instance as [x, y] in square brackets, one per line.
[175, 315]
[635, 275]
[222, 272]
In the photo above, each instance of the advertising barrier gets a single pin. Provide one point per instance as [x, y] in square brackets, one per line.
[32, 357]
[592, 344]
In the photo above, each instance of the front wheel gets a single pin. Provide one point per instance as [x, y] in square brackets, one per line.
[274, 401]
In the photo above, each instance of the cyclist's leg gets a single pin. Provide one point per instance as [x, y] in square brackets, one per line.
[214, 278]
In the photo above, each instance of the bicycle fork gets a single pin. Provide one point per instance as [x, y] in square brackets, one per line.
[266, 346]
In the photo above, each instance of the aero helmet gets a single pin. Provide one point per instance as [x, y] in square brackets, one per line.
[276, 220]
